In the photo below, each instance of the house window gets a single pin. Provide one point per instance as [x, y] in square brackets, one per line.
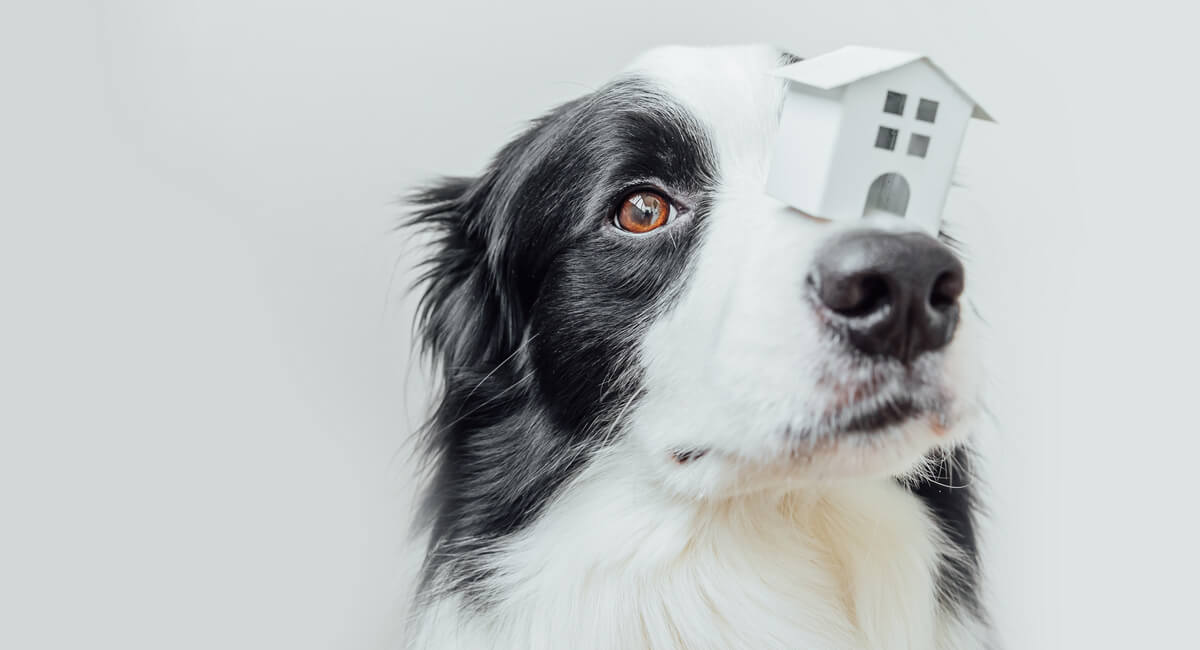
[927, 110]
[894, 103]
[886, 138]
[917, 145]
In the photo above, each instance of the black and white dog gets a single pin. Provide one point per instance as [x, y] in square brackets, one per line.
[679, 414]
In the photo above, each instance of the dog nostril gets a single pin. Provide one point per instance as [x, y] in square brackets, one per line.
[861, 295]
[946, 290]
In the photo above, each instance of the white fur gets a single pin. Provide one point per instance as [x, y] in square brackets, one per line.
[760, 543]
[616, 563]
[742, 357]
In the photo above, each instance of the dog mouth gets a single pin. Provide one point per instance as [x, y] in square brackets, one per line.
[891, 412]
[879, 398]
[878, 426]
[871, 406]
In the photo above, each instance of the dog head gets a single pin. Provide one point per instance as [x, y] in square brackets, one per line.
[618, 280]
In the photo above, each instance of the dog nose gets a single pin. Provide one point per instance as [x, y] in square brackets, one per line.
[893, 294]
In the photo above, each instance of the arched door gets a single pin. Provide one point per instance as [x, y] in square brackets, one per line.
[888, 193]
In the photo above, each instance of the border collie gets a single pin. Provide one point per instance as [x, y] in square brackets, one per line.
[674, 412]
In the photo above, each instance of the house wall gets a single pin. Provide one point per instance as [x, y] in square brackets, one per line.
[809, 126]
[857, 162]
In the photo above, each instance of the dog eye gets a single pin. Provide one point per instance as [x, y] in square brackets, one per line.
[643, 211]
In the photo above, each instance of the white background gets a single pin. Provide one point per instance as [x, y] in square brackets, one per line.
[205, 378]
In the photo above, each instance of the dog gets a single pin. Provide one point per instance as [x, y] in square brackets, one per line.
[676, 413]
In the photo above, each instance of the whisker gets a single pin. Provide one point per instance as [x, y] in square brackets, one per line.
[510, 357]
[490, 400]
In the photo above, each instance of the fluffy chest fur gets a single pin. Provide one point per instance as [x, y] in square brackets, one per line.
[613, 565]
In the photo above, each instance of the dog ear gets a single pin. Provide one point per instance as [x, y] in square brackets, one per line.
[464, 320]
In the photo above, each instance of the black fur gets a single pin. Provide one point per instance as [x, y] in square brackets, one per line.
[787, 58]
[948, 493]
[534, 306]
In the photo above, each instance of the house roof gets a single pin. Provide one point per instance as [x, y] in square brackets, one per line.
[855, 62]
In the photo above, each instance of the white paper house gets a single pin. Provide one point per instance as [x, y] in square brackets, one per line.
[866, 131]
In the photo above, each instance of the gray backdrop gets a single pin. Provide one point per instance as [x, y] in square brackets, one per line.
[205, 379]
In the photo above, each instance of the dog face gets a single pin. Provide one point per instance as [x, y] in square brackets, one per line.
[758, 373]
[618, 280]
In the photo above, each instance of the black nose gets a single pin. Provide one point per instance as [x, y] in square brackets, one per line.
[892, 294]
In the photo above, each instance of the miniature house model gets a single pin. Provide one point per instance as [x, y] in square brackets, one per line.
[866, 131]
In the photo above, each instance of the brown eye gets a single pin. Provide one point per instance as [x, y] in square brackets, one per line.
[643, 211]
